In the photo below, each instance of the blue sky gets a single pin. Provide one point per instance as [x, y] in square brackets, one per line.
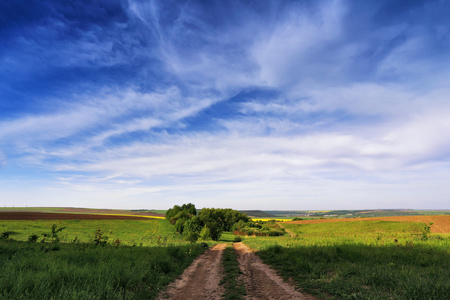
[241, 104]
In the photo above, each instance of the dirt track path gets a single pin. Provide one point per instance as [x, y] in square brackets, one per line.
[262, 282]
[287, 230]
[201, 279]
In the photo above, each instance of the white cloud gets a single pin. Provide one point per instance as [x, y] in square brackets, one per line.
[291, 52]
[94, 119]
[388, 148]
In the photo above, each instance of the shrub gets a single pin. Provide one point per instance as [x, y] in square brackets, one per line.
[5, 235]
[205, 233]
[192, 236]
[99, 238]
[33, 238]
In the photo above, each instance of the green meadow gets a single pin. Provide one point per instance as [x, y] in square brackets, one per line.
[145, 232]
[86, 271]
[136, 259]
[126, 259]
[361, 260]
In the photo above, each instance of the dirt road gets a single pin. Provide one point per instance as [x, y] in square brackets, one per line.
[201, 279]
[261, 281]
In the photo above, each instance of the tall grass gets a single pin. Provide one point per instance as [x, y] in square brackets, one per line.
[374, 261]
[82, 271]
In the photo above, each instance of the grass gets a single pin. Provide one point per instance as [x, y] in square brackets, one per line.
[362, 260]
[145, 232]
[234, 288]
[227, 236]
[345, 260]
[361, 227]
[83, 271]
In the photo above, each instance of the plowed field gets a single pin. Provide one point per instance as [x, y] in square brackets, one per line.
[109, 211]
[59, 216]
[441, 224]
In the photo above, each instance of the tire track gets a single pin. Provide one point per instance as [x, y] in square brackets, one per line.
[201, 279]
[261, 281]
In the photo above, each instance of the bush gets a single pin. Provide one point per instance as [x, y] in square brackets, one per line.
[192, 236]
[33, 238]
[99, 238]
[205, 234]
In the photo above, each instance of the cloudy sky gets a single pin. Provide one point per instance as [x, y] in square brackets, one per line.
[241, 104]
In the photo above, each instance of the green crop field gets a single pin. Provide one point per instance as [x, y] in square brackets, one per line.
[362, 260]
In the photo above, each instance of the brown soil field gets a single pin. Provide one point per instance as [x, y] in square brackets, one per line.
[109, 211]
[441, 224]
[59, 216]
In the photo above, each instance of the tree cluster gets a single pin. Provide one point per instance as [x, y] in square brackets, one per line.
[207, 224]
[269, 228]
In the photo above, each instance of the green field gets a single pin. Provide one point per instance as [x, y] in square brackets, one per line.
[136, 259]
[83, 271]
[145, 232]
[362, 227]
[79, 267]
[362, 260]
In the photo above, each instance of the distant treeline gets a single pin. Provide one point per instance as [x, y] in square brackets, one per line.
[258, 213]
[357, 213]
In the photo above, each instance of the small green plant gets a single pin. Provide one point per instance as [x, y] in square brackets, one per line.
[426, 231]
[237, 239]
[100, 239]
[53, 235]
[33, 238]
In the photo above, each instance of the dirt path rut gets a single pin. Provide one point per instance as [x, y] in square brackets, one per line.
[201, 279]
[287, 230]
[261, 281]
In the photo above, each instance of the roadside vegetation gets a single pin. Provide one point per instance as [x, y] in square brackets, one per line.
[233, 285]
[54, 270]
[258, 228]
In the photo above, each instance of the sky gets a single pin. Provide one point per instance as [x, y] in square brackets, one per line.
[276, 105]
